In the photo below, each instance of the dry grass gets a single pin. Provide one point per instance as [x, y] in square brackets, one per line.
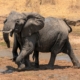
[65, 8]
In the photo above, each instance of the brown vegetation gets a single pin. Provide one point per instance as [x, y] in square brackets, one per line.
[58, 8]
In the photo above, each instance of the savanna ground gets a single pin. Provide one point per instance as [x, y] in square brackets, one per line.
[63, 69]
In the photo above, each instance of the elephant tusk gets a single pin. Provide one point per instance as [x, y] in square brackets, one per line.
[6, 31]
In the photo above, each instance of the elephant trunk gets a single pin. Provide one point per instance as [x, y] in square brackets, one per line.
[8, 28]
[6, 35]
[6, 39]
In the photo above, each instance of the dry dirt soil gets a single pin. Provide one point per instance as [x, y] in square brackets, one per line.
[63, 69]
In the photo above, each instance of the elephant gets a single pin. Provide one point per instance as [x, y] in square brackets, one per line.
[52, 36]
[14, 24]
[16, 43]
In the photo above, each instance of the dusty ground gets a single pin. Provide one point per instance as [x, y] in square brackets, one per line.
[63, 69]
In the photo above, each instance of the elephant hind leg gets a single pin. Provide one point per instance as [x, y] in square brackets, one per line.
[57, 47]
[52, 60]
[70, 53]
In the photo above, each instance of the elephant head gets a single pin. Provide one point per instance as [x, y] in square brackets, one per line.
[16, 22]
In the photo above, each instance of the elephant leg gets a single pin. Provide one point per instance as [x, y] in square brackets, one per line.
[24, 64]
[15, 47]
[27, 48]
[27, 61]
[52, 60]
[36, 56]
[57, 46]
[15, 54]
[24, 53]
[72, 56]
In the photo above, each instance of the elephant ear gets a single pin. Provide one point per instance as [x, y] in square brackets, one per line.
[34, 22]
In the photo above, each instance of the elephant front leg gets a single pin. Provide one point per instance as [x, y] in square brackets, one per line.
[36, 57]
[24, 64]
[20, 58]
[16, 45]
[27, 49]
[14, 51]
[72, 56]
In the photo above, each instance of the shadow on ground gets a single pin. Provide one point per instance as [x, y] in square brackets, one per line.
[10, 69]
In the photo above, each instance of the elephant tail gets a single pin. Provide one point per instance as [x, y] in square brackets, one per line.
[70, 29]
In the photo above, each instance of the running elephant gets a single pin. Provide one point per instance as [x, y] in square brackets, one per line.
[53, 37]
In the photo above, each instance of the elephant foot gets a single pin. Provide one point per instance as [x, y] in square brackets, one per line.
[27, 64]
[50, 66]
[77, 66]
[36, 65]
[21, 67]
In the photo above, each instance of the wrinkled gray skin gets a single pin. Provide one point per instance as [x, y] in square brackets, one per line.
[53, 37]
[23, 26]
